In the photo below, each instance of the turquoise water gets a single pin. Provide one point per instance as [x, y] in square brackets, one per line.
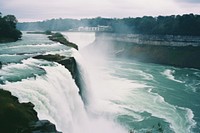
[147, 97]
[142, 97]
[171, 97]
[14, 56]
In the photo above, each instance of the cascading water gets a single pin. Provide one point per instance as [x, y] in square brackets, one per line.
[54, 94]
[50, 87]
[56, 98]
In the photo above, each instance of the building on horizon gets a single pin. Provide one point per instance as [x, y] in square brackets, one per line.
[99, 28]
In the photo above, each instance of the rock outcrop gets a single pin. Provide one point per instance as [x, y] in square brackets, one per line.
[58, 37]
[68, 62]
[18, 117]
[15, 116]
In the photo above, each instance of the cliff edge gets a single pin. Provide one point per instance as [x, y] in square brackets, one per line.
[179, 51]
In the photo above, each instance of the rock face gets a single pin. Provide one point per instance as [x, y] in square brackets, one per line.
[176, 51]
[18, 117]
[164, 40]
[186, 56]
[70, 64]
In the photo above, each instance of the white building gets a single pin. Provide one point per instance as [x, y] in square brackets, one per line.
[99, 28]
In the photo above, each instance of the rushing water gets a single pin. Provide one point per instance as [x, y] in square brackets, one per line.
[122, 94]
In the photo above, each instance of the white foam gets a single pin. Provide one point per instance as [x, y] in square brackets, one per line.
[169, 74]
[62, 52]
[8, 69]
[189, 115]
[36, 45]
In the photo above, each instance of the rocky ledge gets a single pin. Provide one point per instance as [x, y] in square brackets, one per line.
[18, 117]
[68, 62]
[58, 37]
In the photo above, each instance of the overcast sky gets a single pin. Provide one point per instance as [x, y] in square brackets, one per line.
[34, 10]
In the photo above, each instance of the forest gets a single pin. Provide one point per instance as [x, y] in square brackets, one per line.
[187, 24]
[8, 31]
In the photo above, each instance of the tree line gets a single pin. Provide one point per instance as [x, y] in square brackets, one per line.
[8, 31]
[187, 24]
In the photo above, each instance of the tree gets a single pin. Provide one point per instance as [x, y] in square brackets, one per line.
[8, 31]
[11, 19]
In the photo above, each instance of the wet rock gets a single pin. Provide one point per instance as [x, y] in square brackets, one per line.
[43, 126]
[68, 62]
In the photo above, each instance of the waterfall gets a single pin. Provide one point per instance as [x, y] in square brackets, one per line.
[83, 79]
[56, 98]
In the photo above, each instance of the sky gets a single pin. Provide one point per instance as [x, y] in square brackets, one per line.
[38, 10]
